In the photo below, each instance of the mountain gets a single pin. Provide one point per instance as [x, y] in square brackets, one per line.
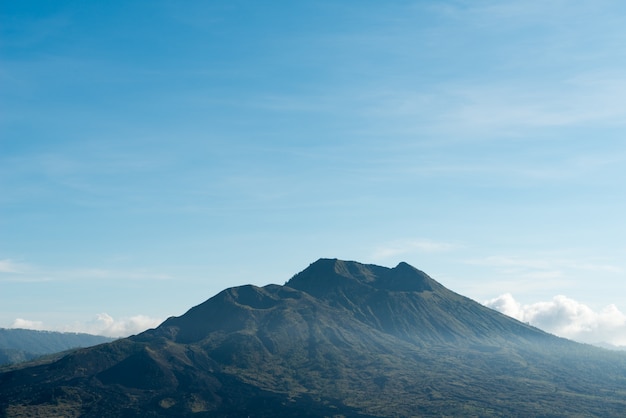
[17, 345]
[339, 339]
[610, 346]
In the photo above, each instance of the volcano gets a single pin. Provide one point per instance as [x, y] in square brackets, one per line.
[340, 338]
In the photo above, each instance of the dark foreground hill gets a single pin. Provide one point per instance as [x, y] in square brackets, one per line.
[339, 339]
[17, 345]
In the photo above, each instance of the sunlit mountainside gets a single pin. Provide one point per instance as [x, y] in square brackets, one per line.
[339, 339]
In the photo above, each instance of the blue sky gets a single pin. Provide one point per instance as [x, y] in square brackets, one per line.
[155, 153]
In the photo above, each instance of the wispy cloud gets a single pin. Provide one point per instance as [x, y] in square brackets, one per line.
[409, 246]
[10, 266]
[582, 99]
[85, 175]
[112, 274]
[492, 109]
[558, 75]
[567, 318]
[536, 264]
[20, 272]
[102, 324]
[541, 273]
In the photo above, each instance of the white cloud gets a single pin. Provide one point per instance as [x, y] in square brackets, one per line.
[102, 324]
[507, 305]
[27, 324]
[105, 324]
[567, 318]
[400, 247]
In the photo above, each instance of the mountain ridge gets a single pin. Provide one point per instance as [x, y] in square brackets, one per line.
[403, 277]
[18, 344]
[339, 339]
[418, 297]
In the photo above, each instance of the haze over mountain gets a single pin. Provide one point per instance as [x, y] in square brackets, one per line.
[155, 146]
[18, 345]
[339, 339]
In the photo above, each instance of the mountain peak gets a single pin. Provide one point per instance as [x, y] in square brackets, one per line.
[325, 275]
[340, 339]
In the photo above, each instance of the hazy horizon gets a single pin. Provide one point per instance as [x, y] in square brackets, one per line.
[154, 155]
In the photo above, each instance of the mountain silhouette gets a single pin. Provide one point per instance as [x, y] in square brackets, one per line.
[338, 339]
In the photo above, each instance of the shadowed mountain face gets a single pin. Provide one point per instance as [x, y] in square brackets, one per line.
[407, 303]
[339, 339]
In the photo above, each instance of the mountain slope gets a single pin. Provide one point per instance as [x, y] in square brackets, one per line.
[340, 338]
[407, 303]
[23, 344]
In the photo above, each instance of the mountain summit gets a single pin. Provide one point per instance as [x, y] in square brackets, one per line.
[329, 274]
[340, 338]
[407, 303]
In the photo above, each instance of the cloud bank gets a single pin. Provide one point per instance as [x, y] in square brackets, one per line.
[567, 318]
[102, 324]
